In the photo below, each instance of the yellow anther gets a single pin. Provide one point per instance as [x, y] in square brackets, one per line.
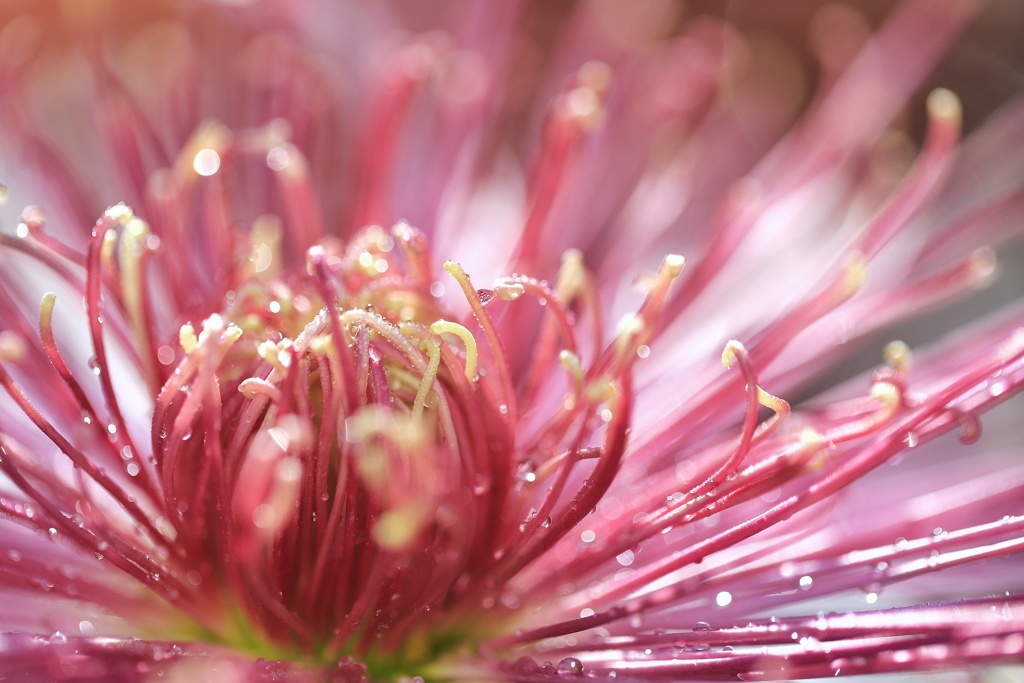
[571, 362]
[629, 331]
[602, 390]
[399, 526]
[255, 386]
[944, 104]
[814, 448]
[187, 338]
[898, 355]
[447, 327]
[571, 275]
[107, 248]
[120, 212]
[135, 241]
[279, 355]
[855, 273]
[673, 265]
[729, 353]
[770, 401]
[265, 238]
[434, 353]
[509, 291]
[374, 421]
[887, 393]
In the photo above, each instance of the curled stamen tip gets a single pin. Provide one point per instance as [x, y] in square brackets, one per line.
[944, 104]
[732, 349]
[886, 392]
[441, 326]
[12, 346]
[898, 355]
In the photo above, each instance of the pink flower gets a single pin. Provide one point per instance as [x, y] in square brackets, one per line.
[368, 383]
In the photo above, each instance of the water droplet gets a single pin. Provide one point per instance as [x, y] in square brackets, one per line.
[485, 295]
[702, 626]
[58, 638]
[526, 471]
[503, 409]
[94, 365]
[86, 628]
[806, 582]
[570, 666]
[132, 469]
[526, 666]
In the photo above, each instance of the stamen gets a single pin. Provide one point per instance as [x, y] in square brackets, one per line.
[445, 327]
[493, 340]
[434, 353]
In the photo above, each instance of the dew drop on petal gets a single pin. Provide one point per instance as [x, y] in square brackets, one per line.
[702, 626]
[58, 638]
[570, 666]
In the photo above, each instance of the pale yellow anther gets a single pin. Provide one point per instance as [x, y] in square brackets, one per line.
[446, 327]
[770, 401]
[732, 347]
[455, 270]
[265, 238]
[257, 386]
[187, 338]
[107, 248]
[601, 390]
[571, 362]
[944, 104]
[279, 355]
[629, 330]
[814, 444]
[887, 393]
[46, 307]
[12, 347]
[508, 291]
[812, 438]
[120, 212]
[434, 354]
[571, 275]
[673, 265]
[898, 356]
[399, 526]
[375, 420]
[855, 273]
[135, 241]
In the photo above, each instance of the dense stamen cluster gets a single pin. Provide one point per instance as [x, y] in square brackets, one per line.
[250, 426]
